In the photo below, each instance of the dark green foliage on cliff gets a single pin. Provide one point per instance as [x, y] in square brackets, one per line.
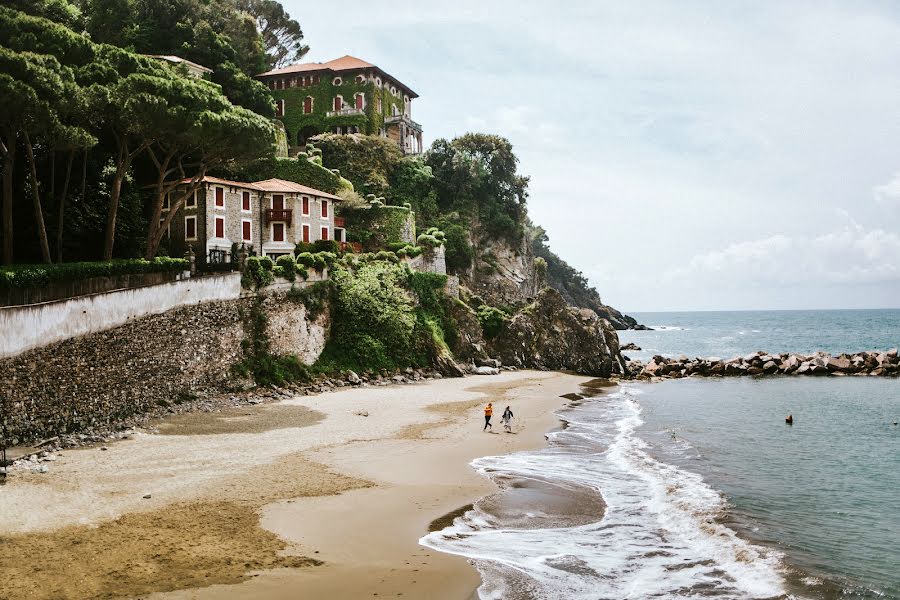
[373, 319]
[492, 320]
[384, 317]
[459, 252]
[366, 161]
[475, 176]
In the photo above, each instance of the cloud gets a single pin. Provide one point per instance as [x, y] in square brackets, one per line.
[852, 255]
[889, 193]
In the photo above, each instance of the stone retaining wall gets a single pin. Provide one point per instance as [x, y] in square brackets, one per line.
[25, 327]
[101, 379]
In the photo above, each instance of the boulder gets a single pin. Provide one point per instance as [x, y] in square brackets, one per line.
[486, 371]
[631, 346]
[488, 362]
[353, 378]
[549, 334]
[838, 364]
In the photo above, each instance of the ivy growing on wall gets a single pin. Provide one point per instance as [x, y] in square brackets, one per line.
[323, 94]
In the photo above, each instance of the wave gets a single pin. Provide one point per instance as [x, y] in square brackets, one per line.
[668, 328]
[659, 536]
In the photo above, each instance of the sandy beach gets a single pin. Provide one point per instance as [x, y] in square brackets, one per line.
[314, 497]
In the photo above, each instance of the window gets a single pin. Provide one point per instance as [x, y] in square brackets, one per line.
[378, 103]
[277, 232]
[308, 105]
[279, 108]
[191, 201]
[393, 91]
[337, 81]
[360, 79]
[324, 209]
[162, 221]
[245, 201]
[167, 201]
[220, 196]
[277, 202]
[305, 233]
[324, 233]
[338, 103]
[378, 82]
[190, 228]
[246, 230]
[220, 227]
[360, 101]
[305, 206]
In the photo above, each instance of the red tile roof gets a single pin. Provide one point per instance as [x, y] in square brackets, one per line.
[280, 185]
[210, 179]
[344, 63]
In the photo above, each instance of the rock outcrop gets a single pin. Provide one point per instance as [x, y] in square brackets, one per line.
[762, 363]
[550, 334]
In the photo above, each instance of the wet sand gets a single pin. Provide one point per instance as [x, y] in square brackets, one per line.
[299, 499]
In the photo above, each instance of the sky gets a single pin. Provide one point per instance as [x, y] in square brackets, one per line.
[716, 155]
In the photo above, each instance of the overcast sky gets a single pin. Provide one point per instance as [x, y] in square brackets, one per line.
[683, 155]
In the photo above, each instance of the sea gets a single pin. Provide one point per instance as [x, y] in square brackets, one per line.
[698, 488]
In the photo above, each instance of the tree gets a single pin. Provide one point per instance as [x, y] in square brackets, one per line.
[282, 35]
[475, 174]
[188, 127]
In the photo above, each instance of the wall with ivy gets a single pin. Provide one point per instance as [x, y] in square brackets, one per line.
[302, 169]
[323, 95]
[376, 225]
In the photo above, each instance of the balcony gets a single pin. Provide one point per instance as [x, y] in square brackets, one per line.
[278, 214]
[403, 119]
[339, 222]
[347, 111]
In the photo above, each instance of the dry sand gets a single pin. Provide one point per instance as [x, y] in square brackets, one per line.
[299, 499]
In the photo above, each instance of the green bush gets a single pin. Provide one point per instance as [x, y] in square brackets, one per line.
[306, 259]
[492, 320]
[301, 271]
[258, 272]
[18, 276]
[327, 246]
[287, 266]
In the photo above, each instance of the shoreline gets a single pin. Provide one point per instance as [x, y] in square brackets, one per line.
[322, 483]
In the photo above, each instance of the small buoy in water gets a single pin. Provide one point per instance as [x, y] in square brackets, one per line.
[789, 420]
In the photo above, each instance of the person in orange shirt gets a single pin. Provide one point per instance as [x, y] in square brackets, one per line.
[488, 413]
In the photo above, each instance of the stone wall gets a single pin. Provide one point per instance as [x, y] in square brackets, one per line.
[103, 378]
[430, 261]
[26, 327]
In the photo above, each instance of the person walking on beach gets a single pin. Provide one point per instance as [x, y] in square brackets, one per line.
[488, 413]
[507, 420]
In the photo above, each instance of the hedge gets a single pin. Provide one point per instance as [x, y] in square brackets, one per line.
[23, 276]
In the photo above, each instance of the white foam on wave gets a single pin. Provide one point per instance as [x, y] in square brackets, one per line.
[668, 328]
[658, 537]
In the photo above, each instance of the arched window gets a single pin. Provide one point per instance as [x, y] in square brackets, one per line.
[360, 101]
[360, 79]
[337, 81]
[338, 103]
[308, 105]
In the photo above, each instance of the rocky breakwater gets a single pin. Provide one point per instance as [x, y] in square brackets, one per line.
[761, 363]
[549, 334]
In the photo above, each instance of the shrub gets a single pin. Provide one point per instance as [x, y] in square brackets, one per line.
[492, 320]
[287, 266]
[306, 259]
[18, 276]
[327, 246]
[303, 247]
[258, 272]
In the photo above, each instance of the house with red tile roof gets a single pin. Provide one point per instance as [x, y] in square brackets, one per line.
[271, 216]
[345, 95]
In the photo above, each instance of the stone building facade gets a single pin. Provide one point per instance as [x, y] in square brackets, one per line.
[269, 217]
[345, 95]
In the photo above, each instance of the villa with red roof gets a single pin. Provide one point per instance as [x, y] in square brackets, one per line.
[272, 216]
[345, 95]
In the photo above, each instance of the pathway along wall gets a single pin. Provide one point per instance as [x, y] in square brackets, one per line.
[100, 379]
